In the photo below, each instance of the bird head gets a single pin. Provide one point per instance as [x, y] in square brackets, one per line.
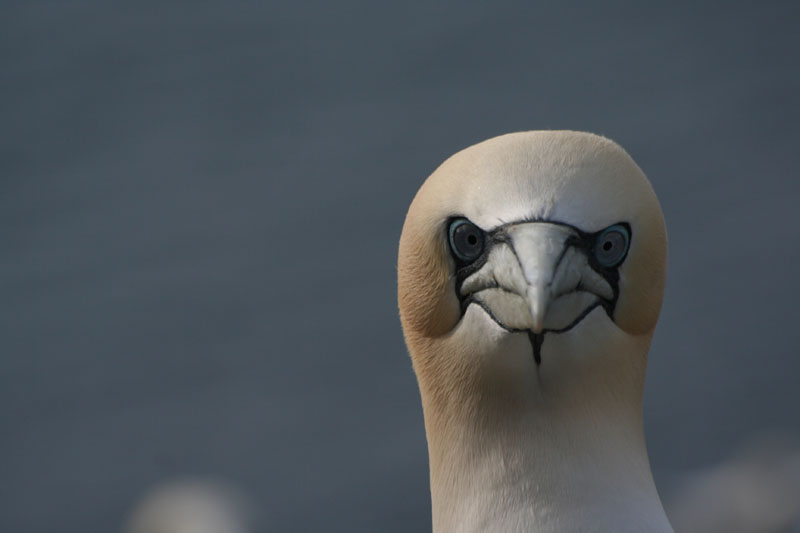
[531, 264]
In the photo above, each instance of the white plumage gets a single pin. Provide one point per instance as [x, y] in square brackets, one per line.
[531, 272]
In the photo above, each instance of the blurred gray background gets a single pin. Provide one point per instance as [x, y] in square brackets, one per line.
[199, 210]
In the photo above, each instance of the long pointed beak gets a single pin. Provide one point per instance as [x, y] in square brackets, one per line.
[538, 299]
[540, 249]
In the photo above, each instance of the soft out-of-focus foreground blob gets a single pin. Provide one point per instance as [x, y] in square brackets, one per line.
[190, 507]
[757, 489]
[531, 271]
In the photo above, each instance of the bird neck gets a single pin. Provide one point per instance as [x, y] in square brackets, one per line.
[536, 475]
[516, 446]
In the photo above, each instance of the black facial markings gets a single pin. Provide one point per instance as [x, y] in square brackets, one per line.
[536, 338]
[516, 256]
[563, 253]
[584, 241]
[466, 271]
[536, 342]
[575, 322]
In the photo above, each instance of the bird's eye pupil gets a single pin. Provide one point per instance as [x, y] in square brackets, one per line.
[612, 245]
[466, 240]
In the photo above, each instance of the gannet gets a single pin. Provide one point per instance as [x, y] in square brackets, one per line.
[531, 271]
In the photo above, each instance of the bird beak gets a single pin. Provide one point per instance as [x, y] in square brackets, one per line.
[537, 277]
[539, 249]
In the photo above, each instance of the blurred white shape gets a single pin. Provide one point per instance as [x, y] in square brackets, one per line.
[756, 490]
[189, 507]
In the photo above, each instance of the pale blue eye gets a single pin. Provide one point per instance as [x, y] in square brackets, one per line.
[611, 245]
[466, 240]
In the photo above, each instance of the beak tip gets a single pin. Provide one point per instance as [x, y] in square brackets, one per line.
[537, 320]
[538, 308]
